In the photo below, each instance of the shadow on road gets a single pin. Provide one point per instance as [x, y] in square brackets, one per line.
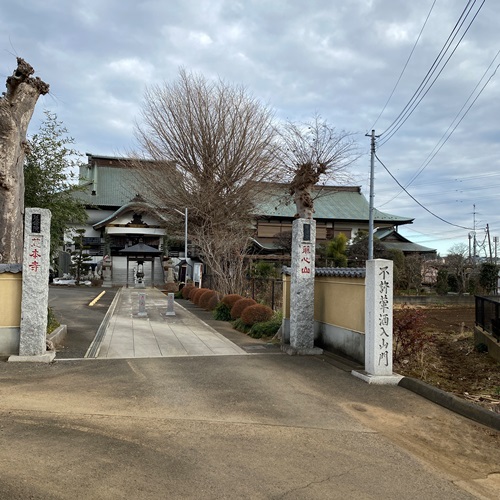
[71, 307]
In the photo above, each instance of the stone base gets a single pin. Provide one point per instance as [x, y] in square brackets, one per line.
[140, 285]
[301, 351]
[48, 357]
[393, 379]
[58, 335]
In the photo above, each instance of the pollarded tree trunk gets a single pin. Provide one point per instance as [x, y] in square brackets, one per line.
[16, 109]
[302, 185]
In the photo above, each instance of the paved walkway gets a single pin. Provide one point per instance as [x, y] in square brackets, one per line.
[127, 335]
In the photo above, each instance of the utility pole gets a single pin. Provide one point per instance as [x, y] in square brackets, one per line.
[372, 195]
[489, 241]
[474, 232]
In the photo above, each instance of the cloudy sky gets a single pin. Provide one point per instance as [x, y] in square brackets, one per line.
[341, 59]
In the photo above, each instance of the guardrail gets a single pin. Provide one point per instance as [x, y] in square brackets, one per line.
[488, 315]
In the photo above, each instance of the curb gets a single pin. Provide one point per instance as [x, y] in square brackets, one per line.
[452, 402]
[58, 335]
[93, 350]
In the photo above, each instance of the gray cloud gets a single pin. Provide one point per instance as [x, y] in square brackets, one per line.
[340, 59]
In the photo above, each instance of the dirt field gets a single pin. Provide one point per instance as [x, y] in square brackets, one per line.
[450, 360]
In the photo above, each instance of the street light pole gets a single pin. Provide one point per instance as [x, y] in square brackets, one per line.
[186, 235]
[185, 230]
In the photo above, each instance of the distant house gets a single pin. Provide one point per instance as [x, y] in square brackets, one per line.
[392, 240]
[119, 215]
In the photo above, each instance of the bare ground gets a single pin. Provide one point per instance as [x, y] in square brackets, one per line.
[450, 360]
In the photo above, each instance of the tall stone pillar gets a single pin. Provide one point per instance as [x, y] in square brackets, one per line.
[35, 293]
[378, 324]
[302, 288]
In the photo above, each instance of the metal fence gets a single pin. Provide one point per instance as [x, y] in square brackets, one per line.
[488, 315]
[266, 291]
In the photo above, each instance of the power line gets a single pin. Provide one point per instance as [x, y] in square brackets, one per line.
[433, 153]
[416, 201]
[405, 66]
[434, 65]
[424, 86]
[447, 135]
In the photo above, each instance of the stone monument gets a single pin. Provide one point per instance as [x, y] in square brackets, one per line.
[142, 313]
[378, 324]
[302, 289]
[106, 272]
[170, 305]
[35, 288]
[170, 284]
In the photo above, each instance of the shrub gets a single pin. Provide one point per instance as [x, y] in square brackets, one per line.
[186, 290]
[195, 298]
[222, 312]
[409, 336]
[239, 307]
[204, 298]
[213, 302]
[231, 299]
[240, 326]
[266, 328]
[193, 292]
[256, 314]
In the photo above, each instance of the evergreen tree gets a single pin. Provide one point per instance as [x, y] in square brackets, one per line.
[335, 251]
[357, 251]
[49, 180]
[79, 258]
[488, 277]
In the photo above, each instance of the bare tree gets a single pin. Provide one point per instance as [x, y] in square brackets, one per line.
[312, 153]
[212, 147]
[16, 109]
[413, 272]
[458, 266]
[284, 241]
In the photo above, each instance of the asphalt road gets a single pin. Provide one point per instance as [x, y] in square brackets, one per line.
[225, 427]
[71, 306]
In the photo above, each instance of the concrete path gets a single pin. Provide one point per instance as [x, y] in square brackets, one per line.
[129, 335]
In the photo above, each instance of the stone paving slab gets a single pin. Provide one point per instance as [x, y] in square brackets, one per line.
[158, 335]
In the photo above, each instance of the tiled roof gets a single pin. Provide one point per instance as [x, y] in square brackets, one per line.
[337, 272]
[114, 185]
[407, 247]
[11, 268]
[392, 240]
[332, 202]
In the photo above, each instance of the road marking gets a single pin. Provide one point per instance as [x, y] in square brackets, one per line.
[97, 298]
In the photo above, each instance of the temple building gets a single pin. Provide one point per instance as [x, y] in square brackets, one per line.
[120, 217]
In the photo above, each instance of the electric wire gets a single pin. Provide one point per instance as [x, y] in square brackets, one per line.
[422, 90]
[434, 152]
[416, 201]
[405, 65]
[447, 135]
[433, 66]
